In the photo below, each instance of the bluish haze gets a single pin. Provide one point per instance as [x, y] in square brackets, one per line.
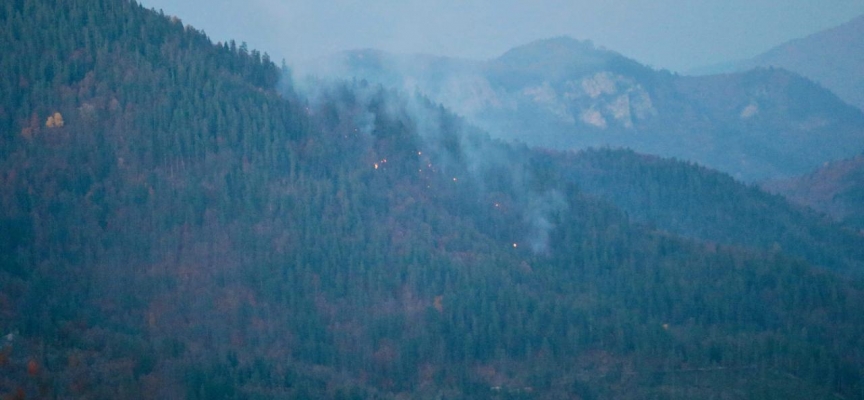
[673, 34]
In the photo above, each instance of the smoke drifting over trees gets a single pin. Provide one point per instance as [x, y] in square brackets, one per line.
[201, 227]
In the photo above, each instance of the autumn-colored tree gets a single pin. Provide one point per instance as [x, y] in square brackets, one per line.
[29, 129]
[54, 121]
[439, 303]
[33, 368]
[19, 394]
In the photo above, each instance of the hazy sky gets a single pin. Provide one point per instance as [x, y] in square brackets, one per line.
[672, 34]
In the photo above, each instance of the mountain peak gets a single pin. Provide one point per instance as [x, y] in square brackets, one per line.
[832, 57]
[563, 56]
[559, 43]
[559, 48]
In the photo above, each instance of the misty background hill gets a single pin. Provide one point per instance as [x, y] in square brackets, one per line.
[836, 189]
[834, 58]
[567, 94]
[179, 219]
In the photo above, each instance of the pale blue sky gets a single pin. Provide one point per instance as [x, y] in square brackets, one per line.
[672, 34]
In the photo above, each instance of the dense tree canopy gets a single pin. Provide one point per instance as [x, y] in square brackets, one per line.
[195, 229]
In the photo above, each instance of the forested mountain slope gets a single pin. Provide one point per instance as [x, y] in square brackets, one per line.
[836, 189]
[177, 224]
[697, 202]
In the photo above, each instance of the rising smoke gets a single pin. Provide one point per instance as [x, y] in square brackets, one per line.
[455, 149]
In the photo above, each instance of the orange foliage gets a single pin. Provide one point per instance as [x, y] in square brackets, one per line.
[72, 361]
[54, 121]
[439, 305]
[31, 128]
[32, 367]
[18, 395]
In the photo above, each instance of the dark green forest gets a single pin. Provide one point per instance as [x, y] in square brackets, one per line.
[179, 220]
[700, 203]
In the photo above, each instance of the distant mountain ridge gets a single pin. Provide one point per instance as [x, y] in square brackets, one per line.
[565, 94]
[834, 58]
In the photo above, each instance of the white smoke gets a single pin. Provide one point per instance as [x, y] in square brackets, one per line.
[455, 148]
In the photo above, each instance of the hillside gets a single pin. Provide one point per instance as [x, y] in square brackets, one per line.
[836, 189]
[834, 58]
[178, 222]
[566, 94]
[699, 203]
